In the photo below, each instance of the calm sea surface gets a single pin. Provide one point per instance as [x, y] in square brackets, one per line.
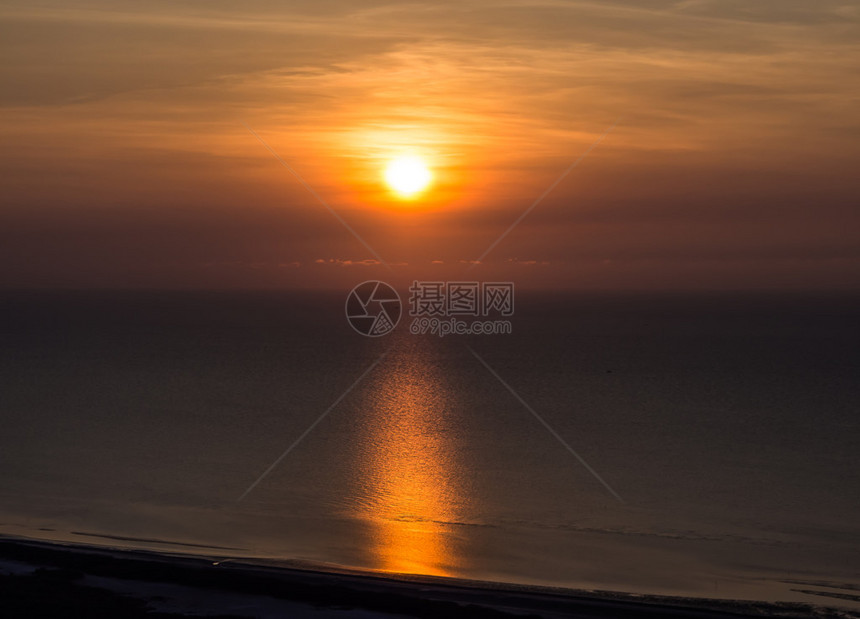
[727, 424]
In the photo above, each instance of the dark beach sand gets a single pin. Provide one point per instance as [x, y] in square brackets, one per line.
[39, 579]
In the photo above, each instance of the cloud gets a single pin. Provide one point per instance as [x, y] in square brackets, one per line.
[341, 262]
[122, 135]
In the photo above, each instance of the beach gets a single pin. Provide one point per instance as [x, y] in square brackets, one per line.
[101, 581]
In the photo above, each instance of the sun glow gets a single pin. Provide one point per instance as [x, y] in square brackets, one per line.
[407, 175]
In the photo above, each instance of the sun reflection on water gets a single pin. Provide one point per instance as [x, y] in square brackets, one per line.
[406, 487]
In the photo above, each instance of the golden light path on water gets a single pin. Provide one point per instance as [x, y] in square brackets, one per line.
[407, 491]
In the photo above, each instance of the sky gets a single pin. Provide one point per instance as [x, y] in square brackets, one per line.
[728, 160]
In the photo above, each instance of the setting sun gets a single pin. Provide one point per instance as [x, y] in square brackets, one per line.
[407, 175]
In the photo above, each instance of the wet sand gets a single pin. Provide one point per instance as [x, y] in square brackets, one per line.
[40, 579]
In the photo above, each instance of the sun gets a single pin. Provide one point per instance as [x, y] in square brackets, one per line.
[407, 175]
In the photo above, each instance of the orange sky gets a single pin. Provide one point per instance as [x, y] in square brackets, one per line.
[125, 162]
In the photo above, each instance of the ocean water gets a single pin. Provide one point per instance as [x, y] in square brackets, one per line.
[727, 425]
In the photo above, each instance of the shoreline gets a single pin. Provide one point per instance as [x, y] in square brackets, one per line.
[182, 584]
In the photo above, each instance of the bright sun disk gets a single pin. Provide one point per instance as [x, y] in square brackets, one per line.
[407, 175]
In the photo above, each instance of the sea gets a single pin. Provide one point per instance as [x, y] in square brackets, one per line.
[689, 444]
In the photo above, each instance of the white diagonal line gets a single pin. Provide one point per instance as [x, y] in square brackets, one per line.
[310, 428]
[542, 196]
[318, 197]
[547, 426]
